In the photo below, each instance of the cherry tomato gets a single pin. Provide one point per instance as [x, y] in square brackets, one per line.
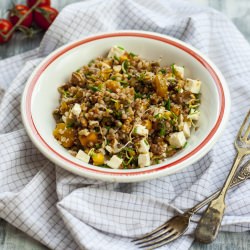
[44, 16]
[5, 27]
[30, 3]
[17, 12]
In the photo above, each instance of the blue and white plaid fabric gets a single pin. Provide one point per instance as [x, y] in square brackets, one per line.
[64, 211]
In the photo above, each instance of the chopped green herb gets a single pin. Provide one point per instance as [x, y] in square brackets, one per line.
[198, 96]
[173, 68]
[141, 77]
[89, 64]
[162, 131]
[158, 116]
[120, 47]
[116, 58]
[113, 78]
[124, 165]
[118, 114]
[94, 88]
[163, 71]
[78, 70]
[97, 129]
[185, 145]
[167, 104]
[132, 54]
[146, 142]
[125, 65]
[138, 95]
[66, 93]
[174, 115]
[129, 77]
[172, 122]
[70, 125]
[90, 76]
[91, 152]
[157, 161]
[108, 127]
[105, 166]
[131, 158]
[124, 83]
[113, 100]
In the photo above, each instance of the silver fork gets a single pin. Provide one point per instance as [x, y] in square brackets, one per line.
[178, 225]
[209, 224]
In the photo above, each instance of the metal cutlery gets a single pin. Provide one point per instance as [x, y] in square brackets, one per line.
[179, 224]
[209, 224]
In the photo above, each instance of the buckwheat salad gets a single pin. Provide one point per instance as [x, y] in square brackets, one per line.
[124, 112]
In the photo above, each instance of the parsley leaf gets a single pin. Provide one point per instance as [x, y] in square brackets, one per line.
[167, 104]
[163, 71]
[173, 69]
[94, 88]
[125, 65]
[132, 54]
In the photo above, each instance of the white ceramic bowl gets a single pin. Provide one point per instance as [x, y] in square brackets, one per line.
[40, 98]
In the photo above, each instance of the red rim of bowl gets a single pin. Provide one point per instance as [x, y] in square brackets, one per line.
[148, 36]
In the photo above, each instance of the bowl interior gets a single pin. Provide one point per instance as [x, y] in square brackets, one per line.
[45, 97]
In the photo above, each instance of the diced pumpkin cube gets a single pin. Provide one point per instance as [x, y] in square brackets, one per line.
[85, 140]
[147, 124]
[161, 86]
[113, 85]
[64, 135]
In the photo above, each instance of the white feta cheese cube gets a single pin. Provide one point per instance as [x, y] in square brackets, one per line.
[143, 146]
[140, 130]
[117, 68]
[81, 155]
[76, 110]
[116, 51]
[114, 162]
[193, 86]
[194, 116]
[179, 71]
[144, 160]
[177, 139]
[160, 110]
[186, 129]
[109, 149]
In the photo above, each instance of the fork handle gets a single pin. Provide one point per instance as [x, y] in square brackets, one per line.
[240, 177]
[209, 224]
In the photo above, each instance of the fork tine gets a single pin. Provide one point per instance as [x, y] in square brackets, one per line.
[164, 242]
[243, 124]
[246, 133]
[155, 236]
[158, 229]
[159, 241]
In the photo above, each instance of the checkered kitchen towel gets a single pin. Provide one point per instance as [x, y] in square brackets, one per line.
[64, 211]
